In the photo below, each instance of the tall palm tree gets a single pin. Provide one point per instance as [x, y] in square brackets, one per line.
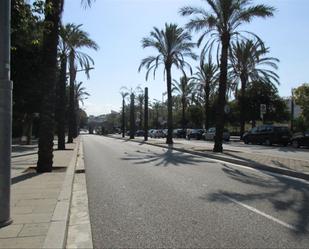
[206, 79]
[76, 39]
[173, 44]
[48, 77]
[53, 13]
[124, 93]
[184, 88]
[223, 22]
[251, 63]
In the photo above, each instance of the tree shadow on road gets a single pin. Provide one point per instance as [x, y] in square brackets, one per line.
[168, 157]
[284, 194]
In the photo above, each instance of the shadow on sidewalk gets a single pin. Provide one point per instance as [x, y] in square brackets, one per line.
[284, 195]
[24, 177]
[168, 157]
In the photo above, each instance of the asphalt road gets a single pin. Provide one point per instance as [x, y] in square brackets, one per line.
[142, 196]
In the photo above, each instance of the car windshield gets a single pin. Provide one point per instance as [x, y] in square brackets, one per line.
[281, 128]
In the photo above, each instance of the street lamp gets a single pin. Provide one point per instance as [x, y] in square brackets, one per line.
[5, 112]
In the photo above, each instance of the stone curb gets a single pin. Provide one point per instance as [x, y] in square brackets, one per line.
[228, 159]
[57, 232]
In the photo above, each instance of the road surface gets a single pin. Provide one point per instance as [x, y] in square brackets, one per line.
[143, 196]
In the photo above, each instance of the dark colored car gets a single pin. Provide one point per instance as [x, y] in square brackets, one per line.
[268, 134]
[179, 133]
[300, 139]
[195, 133]
[140, 133]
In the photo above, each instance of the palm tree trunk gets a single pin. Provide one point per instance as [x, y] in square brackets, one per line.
[61, 104]
[146, 115]
[132, 118]
[207, 93]
[242, 104]
[183, 113]
[169, 138]
[225, 40]
[49, 68]
[123, 118]
[71, 99]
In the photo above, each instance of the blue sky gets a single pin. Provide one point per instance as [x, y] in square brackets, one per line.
[119, 25]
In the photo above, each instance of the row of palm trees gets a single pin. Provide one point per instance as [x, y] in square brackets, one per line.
[220, 25]
[49, 79]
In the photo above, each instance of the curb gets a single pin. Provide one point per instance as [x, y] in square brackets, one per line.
[57, 232]
[254, 165]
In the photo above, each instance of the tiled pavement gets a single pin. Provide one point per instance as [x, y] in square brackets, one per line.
[34, 197]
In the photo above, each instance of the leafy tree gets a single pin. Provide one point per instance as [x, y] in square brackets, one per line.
[173, 44]
[258, 93]
[26, 37]
[301, 95]
[251, 63]
[223, 22]
[184, 88]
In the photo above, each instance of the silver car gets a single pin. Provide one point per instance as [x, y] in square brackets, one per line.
[211, 133]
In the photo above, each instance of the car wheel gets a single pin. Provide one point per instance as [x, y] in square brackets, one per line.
[295, 144]
[268, 142]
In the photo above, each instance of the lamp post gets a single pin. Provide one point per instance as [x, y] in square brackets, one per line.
[5, 113]
[292, 110]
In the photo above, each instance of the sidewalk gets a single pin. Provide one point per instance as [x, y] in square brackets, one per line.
[287, 166]
[39, 202]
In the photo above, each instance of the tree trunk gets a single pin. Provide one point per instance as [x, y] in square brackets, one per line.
[123, 118]
[225, 40]
[183, 113]
[207, 92]
[243, 80]
[49, 68]
[71, 99]
[169, 138]
[29, 129]
[132, 117]
[61, 103]
[146, 115]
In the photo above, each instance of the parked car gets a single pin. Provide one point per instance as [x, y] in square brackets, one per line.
[140, 133]
[158, 134]
[195, 133]
[268, 134]
[300, 139]
[211, 133]
[179, 133]
[165, 132]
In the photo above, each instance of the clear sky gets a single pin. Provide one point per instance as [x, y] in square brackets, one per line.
[119, 25]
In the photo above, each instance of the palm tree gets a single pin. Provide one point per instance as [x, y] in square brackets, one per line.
[75, 40]
[222, 22]
[206, 79]
[80, 96]
[250, 64]
[124, 93]
[48, 78]
[172, 44]
[185, 88]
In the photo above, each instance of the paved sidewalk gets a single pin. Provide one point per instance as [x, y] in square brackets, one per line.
[288, 166]
[39, 202]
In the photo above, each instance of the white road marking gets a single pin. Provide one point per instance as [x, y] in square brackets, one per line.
[282, 223]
